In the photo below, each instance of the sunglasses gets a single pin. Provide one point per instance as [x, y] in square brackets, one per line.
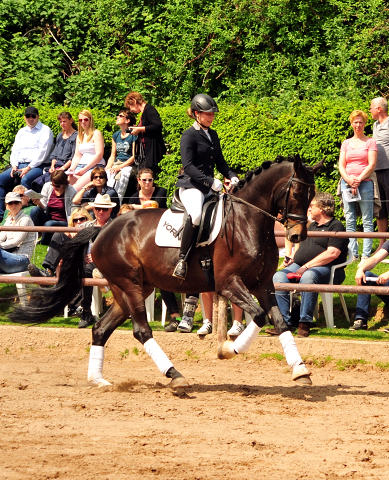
[98, 176]
[13, 203]
[101, 209]
[79, 219]
[83, 119]
[120, 115]
[147, 180]
[30, 115]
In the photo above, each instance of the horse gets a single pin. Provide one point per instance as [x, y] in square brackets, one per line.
[244, 255]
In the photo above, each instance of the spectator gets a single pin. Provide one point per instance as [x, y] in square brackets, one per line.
[102, 209]
[379, 112]
[147, 190]
[63, 152]
[89, 151]
[365, 277]
[120, 165]
[20, 189]
[125, 208]
[312, 262]
[97, 185]
[31, 148]
[150, 145]
[16, 247]
[54, 208]
[357, 161]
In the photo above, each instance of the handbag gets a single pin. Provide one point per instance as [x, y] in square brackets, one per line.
[140, 157]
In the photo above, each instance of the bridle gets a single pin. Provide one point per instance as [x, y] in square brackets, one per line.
[286, 216]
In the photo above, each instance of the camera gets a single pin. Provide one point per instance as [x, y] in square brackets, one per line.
[129, 130]
[17, 176]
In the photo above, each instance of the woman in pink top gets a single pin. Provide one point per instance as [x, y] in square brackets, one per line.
[357, 161]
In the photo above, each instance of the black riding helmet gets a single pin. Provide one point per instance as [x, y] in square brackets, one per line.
[203, 103]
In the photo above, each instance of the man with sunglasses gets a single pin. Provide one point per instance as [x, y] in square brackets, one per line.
[102, 209]
[31, 148]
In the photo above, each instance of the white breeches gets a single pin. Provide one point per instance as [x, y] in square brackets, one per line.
[193, 201]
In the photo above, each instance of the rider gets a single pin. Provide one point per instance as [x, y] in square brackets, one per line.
[200, 152]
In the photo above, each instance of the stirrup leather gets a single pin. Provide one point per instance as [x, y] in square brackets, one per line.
[181, 269]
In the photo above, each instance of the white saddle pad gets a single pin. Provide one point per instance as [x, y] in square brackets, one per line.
[171, 222]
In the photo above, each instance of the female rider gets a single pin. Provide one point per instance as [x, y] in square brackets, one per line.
[200, 152]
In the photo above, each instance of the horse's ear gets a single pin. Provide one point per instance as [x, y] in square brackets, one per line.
[318, 166]
[297, 163]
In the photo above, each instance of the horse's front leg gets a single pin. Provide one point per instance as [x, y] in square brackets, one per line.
[266, 297]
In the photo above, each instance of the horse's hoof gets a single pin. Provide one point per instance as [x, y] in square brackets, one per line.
[301, 374]
[103, 383]
[179, 382]
[304, 380]
[226, 350]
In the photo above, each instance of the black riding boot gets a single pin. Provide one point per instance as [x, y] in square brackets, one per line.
[188, 238]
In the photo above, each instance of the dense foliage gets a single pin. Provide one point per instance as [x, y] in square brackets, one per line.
[93, 52]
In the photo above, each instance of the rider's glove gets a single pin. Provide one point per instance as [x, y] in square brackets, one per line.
[217, 185]
[234, 181]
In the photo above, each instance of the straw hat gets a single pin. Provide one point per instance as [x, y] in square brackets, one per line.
[103, 201]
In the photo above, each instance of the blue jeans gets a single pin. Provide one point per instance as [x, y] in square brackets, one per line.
[363, 301]
[40, 219]
[12, 262]
[308, 299]
[366, 205]
[7, 182]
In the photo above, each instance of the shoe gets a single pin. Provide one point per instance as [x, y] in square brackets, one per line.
[97, 274]
[172, 325]
[359, 324]
[271, 331]
[304, 329]
[236, 329]
[186, 323]
[385, 260]
[385, 329]
[39, 272]
[206, 329]
[86, 319]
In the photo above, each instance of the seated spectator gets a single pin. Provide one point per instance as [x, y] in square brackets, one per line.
[102, 209]
[89, 151]
[120, 165]
[147, 190]
[54, 208]
[20, 189]
[32, 146]
[313, 261]
[16, 247]
[365, 277]
[97, 185]
[63, 152]
[125, 208]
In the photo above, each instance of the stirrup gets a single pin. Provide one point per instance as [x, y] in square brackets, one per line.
[181, 270]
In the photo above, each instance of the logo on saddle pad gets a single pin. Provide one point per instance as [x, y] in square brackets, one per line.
[170, 223]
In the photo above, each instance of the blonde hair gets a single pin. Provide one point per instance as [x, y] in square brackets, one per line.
[91, 131]
[358, 113]
[75, 212]
[126, 207]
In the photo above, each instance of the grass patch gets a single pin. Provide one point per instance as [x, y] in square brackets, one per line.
[382, 366]
[274, 356]
[124, 354]
[319, 362]
[350, 364]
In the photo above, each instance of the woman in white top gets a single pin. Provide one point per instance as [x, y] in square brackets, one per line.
[89, 151]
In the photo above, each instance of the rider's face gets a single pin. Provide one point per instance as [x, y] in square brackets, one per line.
[205, 118]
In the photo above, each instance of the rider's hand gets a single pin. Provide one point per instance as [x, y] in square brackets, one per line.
[217, 185]
[234, 181]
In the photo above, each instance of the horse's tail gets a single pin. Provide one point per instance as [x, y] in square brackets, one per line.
[46, 303]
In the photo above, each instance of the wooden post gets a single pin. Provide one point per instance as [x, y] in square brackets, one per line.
[222, 319]
[215, 313]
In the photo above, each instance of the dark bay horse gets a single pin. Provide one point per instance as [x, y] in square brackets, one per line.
[245, 258]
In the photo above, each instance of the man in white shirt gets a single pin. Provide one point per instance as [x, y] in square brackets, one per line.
[33, 144]
[379, 112]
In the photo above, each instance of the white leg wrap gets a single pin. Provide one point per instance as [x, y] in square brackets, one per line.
[96, 363]
[290, 349]
[246, 338]
[158, 356]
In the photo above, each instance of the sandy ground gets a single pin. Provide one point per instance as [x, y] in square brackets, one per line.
[241, 419]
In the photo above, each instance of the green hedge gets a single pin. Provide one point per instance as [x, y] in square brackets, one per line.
[249, 135]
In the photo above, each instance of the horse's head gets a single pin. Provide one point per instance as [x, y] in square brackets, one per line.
[296, 196]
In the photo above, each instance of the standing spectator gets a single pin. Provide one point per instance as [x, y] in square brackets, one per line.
[32, 147]
[89, 151]
[54, 208]
[16, 247]
[97, 185]
[379, 112]
[312, 262]
[147, 190]
[151, 146]
[357, 161]
[120, 165]
[63, 152]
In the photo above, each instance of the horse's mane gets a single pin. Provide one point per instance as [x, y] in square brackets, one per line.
[256, 171]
